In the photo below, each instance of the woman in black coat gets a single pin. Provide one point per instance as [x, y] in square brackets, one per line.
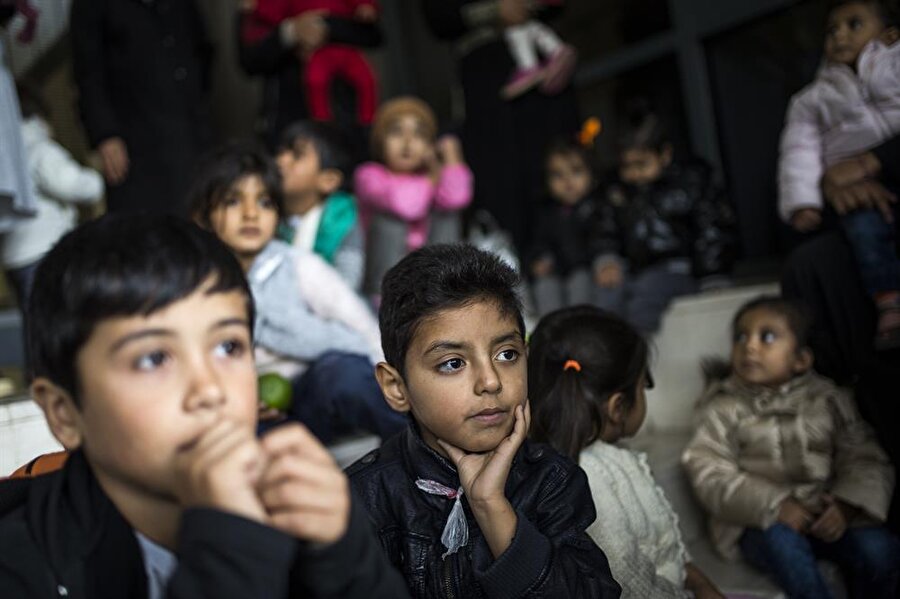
[141, 67]
[504, 140]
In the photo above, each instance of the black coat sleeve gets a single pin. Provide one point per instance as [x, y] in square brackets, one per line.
[605, 238]
[88, 59]
[354, 567]
[552, 555]
[223, 555]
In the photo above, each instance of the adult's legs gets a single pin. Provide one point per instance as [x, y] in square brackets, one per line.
[788, 557]
[318, 73]
[338, 395]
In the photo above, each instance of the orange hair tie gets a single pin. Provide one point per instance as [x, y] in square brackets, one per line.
[589, 132]
[573, 364]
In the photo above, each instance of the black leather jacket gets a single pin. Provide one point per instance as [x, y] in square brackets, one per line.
[551, 555]
[682, 215]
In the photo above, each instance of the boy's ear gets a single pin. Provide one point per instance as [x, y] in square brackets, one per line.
[329, 181]
[392, 386]
[804, 360]
[889, 36]
[59, 409]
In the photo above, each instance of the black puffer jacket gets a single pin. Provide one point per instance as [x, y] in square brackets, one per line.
[564, 233]
[551, 555]
[682, 215]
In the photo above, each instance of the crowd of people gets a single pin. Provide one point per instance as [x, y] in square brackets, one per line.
[332, 252]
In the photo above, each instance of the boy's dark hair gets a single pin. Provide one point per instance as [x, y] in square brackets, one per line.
[223, 167]
[796, 314]
[330, 143]
[887, 9]
[441, 277]
[567, 404]
[118, 265]
[645, 129]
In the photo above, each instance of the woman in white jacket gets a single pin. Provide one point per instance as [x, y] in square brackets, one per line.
[587, 370]
[60, 183]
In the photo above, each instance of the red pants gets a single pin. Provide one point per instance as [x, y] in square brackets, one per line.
[345, 62]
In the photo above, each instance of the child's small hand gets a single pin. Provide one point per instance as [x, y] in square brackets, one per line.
[449, 149]
[831, 523]
[366, 13]
[483, 475]
[221, 469]
[609, 276]
[304, 492]
[513, 12]
[114, 154]
[806, 219]
[792, 514]
[542, 267]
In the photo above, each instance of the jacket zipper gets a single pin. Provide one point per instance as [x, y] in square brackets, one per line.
[448, 582]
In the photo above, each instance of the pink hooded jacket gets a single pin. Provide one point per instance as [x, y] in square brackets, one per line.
[839, 115]
[411, 197]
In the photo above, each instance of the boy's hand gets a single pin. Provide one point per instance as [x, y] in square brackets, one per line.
[851, 171]
[701, 586]
[221, 471]
[366, 13]
[304, 492]
[609, 276]
[483, 478]
[542, 267]
[831, 523]
[449, 150]
[793, 515]
[862, 195]
[806, 219]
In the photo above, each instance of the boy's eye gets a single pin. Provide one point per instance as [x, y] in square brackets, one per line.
[266, 203]
[150, 361]
[233, 348]
[451, 365]
[740, 338]
[768, 337]
[231, 201]
[855, 23]
[508, 355]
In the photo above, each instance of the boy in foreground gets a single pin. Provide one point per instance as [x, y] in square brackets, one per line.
[142, 356]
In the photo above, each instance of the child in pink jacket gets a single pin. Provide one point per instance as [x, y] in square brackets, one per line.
[851, 107]
[414, 193]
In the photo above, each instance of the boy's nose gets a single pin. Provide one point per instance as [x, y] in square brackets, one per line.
[488, 381]
[206, 391]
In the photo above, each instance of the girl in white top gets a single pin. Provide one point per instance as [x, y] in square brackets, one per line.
[587, 371]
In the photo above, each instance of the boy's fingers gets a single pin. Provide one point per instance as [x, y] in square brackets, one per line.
[292, 467]
[295, 495]
[296, 438]
[310, 526]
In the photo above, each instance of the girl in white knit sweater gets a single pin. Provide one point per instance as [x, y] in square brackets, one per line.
[587, 371]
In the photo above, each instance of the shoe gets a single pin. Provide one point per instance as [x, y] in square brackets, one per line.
[522, 81]
[887, 335]
[559, 69]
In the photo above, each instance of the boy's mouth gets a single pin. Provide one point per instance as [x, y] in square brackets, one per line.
[490, 416]
[249, 231]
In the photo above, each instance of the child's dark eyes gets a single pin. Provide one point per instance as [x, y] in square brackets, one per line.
[233, 348]
[451, 365]
[266, 203]
[740, 338]
[508, 355]
[768, 336]
[151, 361]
